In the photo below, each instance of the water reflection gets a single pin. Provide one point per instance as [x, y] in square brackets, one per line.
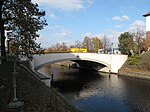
[96, 92]
[137, 94]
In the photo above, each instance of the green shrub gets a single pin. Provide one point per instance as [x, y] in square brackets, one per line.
[133, 60]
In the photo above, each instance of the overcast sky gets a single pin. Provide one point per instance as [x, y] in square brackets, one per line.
[71, 20]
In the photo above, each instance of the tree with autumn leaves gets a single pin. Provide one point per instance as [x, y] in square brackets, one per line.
[92, 44]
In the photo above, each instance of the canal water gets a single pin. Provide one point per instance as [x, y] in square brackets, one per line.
[98, 92]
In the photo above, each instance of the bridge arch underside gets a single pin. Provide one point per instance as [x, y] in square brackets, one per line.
[83, 63]
[90, 65]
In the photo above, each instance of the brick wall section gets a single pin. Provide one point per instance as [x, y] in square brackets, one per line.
[148, 38]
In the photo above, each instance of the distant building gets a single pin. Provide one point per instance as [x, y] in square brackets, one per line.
[116, 51]
[101, 51]
[113, 51]
[109, 51]
[147, 15]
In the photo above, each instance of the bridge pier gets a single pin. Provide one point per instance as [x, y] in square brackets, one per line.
[109, 73]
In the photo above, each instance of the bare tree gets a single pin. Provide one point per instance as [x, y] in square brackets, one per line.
[64, 47]
[78, 44]
[106, 44]
[139, 41]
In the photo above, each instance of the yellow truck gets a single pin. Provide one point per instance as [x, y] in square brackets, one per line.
[78, 50]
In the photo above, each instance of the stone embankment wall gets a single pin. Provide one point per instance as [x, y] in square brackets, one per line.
[38, 97]
[135, 74]
[60, 104]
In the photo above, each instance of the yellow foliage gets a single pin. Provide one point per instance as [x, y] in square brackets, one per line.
[14, 47]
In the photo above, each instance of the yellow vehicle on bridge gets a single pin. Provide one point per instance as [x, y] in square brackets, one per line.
[78, 50]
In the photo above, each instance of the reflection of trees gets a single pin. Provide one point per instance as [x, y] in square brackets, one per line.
[102, 86]
[83, 83]
[79, 83]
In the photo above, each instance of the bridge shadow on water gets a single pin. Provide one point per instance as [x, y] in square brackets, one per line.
[77, 81]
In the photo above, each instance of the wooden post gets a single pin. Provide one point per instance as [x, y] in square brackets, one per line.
[52, 80]
[69, 66]
[109, 73]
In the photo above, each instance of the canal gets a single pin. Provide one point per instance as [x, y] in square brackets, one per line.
[98, 92]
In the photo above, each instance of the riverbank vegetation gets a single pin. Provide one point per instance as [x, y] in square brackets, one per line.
[132, 44]
[138, 63]
[133, 61]
[137, 67]
[91, 44]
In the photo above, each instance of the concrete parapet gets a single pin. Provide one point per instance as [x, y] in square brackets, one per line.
[41, 96]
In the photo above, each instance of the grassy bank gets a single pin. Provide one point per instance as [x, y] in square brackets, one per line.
[137, 66]
[36, 96]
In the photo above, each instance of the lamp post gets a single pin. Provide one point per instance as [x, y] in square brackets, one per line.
[112, 51]
[15, 104]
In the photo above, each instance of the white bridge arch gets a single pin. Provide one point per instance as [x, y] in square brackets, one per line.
[101, 62]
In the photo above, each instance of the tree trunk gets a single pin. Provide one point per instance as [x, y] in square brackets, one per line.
[3, 51]
[2, 36]
[139, 51]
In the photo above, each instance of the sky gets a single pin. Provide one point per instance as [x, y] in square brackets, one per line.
[72, 20]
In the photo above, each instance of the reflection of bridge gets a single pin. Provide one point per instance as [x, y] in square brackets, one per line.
[101, 62]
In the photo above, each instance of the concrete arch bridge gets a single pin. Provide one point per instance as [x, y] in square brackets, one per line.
[101, 62]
